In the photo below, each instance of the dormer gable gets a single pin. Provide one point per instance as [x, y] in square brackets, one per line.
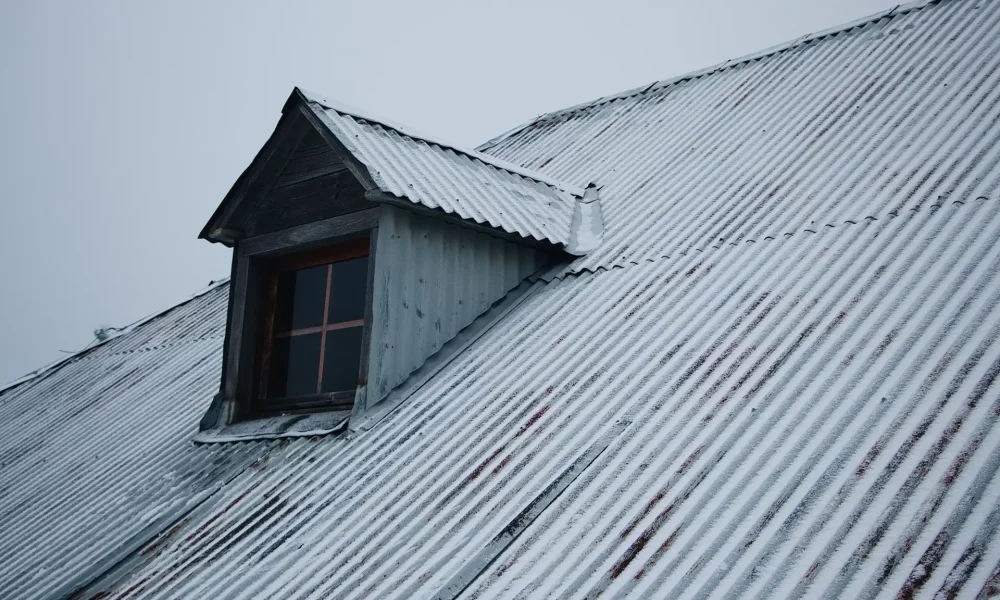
[362, 247]
[322, 151]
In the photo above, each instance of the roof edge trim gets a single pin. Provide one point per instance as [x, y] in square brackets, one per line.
[45, 369]
[450, 216]
[899, 9]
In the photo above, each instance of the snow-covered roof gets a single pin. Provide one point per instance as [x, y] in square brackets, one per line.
[775, 377]
[459, 181]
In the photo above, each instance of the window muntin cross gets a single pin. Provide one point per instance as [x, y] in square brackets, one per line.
[314, 327]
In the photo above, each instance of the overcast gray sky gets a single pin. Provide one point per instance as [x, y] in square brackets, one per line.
[125, 122]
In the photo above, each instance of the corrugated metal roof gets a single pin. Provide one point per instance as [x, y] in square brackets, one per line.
[96, 458]
[805, 414]
[456, 180]
[884, 117]
[807, 408]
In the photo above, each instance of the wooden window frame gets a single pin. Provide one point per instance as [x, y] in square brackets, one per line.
[252, 259]
[261, 404]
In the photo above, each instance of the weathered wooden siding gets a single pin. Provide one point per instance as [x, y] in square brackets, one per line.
[307, 201]
[431, 280]
[314, 184]
[313, 158]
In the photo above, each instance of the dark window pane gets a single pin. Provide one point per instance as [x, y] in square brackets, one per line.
[347, 292]
[342, 359]
[300, 299]
[294, 368]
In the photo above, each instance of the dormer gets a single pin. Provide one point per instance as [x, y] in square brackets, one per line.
[360, 248]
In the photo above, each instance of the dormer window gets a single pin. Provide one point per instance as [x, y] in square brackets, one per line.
[312, 331]
[363, 254]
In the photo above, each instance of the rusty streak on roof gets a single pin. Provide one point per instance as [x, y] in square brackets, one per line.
[795, 311]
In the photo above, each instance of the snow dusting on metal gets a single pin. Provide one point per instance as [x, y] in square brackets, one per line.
[776, 376]
[458, 181]
[96, 458]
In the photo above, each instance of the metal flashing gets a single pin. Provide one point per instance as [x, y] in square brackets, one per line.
[587, 230]
[274, 428]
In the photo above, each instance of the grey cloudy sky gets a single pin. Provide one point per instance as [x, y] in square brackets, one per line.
[124, 123]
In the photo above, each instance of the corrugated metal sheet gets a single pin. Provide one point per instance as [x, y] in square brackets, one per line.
[895, 114]
[816, 414]
[815, 418]
[458, 181]
[780, 379]
[432, 280]
[95, 457]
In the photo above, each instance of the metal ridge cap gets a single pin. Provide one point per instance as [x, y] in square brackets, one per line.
[661, 83]
[45, 369]
[411, 133]
[347, 109]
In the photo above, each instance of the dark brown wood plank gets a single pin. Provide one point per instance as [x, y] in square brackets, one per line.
[313, 158]
[308, 201]
[234, 328]
[241, 340]
[311, 403]
[261, 174]
[310, 233]
[332, 187]
[303, 260]
[315, 115]
[292, 178]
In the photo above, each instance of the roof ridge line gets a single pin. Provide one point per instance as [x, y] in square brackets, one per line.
[174, 344]
[411, 133]
[659, 84]
[45, 369]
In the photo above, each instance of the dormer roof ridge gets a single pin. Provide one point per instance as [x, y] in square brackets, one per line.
[393, 164]
[405, 130]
